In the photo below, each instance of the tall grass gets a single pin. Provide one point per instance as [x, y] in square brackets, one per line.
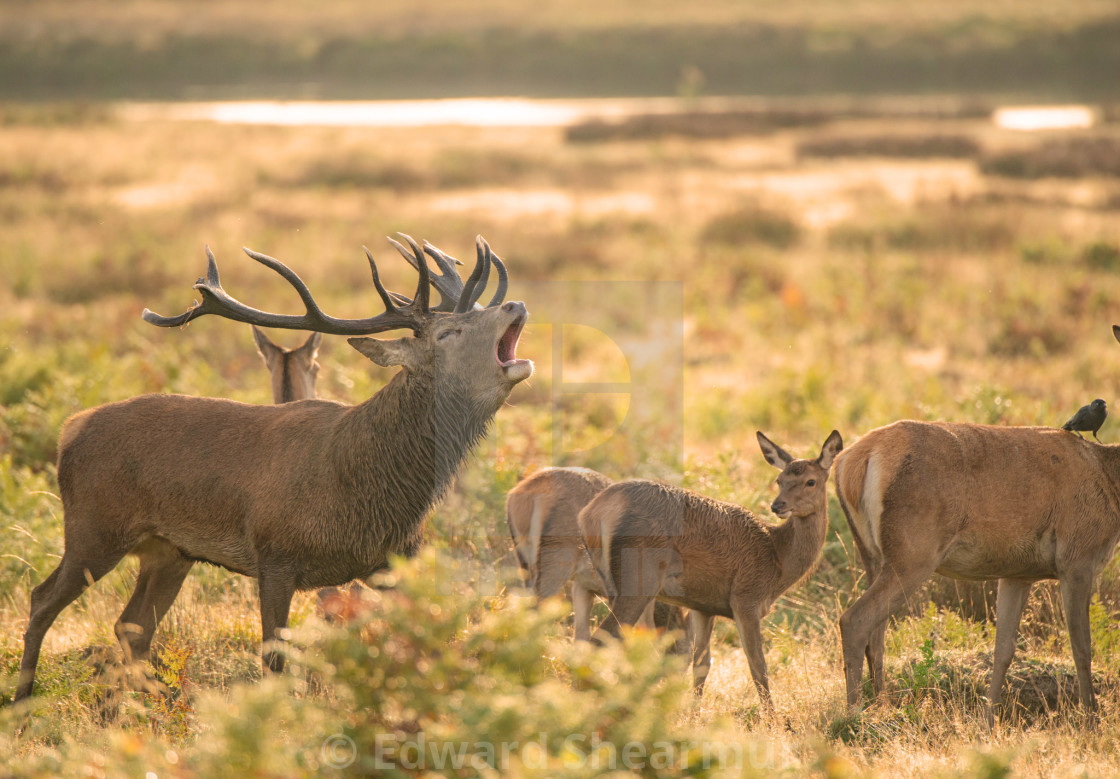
[807, 294]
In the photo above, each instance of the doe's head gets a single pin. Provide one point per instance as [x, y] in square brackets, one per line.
[801, 483]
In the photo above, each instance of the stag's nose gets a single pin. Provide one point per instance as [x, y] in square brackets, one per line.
[778, 506]
[515, 307]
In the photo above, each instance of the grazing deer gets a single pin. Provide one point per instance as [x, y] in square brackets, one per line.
[649, 540]
[300, 495]
[293, 371]
[970, 501]
[542, 513]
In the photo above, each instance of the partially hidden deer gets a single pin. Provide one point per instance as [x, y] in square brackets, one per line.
[300, 495]
[292, 371]
[648, 539]
[976, 502]
[542, 513]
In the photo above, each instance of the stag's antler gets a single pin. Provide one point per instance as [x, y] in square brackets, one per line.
[450, 284]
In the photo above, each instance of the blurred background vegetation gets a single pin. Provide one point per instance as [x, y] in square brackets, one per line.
[842, 235]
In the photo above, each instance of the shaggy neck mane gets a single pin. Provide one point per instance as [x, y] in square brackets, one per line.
[397, 453]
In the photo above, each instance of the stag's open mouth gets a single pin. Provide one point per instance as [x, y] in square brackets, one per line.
[506, 350]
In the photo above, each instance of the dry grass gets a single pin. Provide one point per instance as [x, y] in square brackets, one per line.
[810, 294]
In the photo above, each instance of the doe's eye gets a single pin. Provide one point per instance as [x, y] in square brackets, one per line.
[811, 483]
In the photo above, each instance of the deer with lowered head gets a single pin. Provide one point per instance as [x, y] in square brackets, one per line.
[542, 513]
[648, 539]
[300, 495]
[976, 502]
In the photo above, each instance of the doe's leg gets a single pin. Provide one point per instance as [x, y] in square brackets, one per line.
[1077, 590]
[1011, 598]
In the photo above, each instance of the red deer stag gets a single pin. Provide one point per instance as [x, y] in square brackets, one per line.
[542, 513]
[648, 540]
[301, 495]
[976, 502]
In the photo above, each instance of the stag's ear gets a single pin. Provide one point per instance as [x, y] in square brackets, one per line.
[832, 446]
[774, 454]
[1116, 331]
[401, 351]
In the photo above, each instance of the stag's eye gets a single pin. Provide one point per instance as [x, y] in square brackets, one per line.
[447, 334]
[811, 483]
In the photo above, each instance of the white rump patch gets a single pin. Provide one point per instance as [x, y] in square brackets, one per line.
[871, 504]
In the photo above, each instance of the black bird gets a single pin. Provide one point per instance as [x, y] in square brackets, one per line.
[1088, 418]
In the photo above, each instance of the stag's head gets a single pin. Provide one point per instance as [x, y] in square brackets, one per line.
[457, 342]
[801, 483]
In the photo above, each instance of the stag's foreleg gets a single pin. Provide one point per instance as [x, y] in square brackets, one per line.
[276, 590]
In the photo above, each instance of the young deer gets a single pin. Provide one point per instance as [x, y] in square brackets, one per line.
[300, 495]
[653, 540]
[542, 512]
[976, 502]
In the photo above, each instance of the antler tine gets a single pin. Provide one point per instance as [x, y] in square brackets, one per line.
[477, 280]
[386, 298]
[447, 281]
[503, 277]
[216, 300]
[423, 293]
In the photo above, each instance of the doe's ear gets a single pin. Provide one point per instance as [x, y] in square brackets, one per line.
[774, 454]
[264, 345]
[310, 347]
[401, 351]
[832, 446]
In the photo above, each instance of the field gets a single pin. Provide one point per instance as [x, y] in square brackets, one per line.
[789, 266]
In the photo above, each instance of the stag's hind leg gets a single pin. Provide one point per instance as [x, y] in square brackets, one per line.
[76, 571]
[162, 572]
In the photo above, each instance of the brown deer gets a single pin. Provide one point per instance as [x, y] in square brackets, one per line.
[293, 371]
[977, 502]
[300, 495]
[542, 512]
[649, 540]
